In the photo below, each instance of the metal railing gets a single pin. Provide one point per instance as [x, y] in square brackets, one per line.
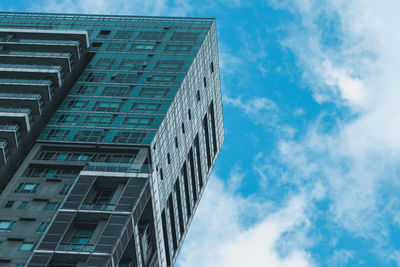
[95, 206]
[76, 247]
[117, 167]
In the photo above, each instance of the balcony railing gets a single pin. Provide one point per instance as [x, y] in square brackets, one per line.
[94, 206]
[76, 247]
[118, 167]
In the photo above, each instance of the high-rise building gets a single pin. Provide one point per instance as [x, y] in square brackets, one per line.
[109, 128]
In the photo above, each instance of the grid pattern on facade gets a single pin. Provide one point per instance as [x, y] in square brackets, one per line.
[119, 170]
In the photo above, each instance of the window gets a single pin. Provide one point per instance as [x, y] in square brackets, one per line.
[82, 235]
[104, 33]
[189, 114]
[205, 82]
[23, 204]
[97, 44]
[161, 78]
[103, 197]
[98, 120]
[183, 128]
[27, 188]
[178, 48]
[184, 36]
[169, 158]
[116, 91]
[116, 46]
[52, 206]
[176, 142]
[198, 95]
[87, 90]
[168, 65]
[212, 67]
[107, 106]
[77, 105]
[131, 64]
[65, 189]
[67, 119]
[138, 122]
[114, 158]
[89, 136]
[76, 156]
[95, 77]
[42, 227]
[123, 35]
[124, 77]
[161, 174]
[121, 159]
[9, 204]
[150, 35]
[57, 134]
[213, 128]
[143, 47]
[6, 226]
[47, 155]
[52, 173]
[80, 156]
[104, 63]
[27, 246]
[129, 137]
[145, 108]
[153, 92]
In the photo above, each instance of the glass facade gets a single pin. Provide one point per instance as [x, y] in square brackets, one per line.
[123, 128]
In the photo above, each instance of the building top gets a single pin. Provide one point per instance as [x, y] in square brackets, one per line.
[106, 19]
[137, 66]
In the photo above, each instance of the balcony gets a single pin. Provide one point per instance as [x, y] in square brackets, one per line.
[95, 206]
[76, 247]
[12, 133]
[4, 151]
[23, 71]
[42, 87]
[40, 58]
[15, 100]
[118, 167]
[21, 115]
[50, 46]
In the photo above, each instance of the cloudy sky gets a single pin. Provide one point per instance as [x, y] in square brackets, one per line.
[309, 172]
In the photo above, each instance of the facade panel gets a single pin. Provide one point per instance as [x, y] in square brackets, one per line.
[116, 122]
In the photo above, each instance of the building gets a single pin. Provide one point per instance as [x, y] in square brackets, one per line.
[109, 128]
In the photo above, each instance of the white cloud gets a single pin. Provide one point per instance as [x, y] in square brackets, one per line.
[231, 230]
[229, 63]
[340, 257]
[358, 164]
[253, 106]
[262, 111]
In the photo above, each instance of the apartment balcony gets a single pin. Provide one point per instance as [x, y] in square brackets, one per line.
[24, 86]
[95, 206]
[25, 71]
[118, 167]
[39, 58]
[4, 151]
[12, 133]
[75, 247]
[17, 100]
[47, 46]
[21, 115]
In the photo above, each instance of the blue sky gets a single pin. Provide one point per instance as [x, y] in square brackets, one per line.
[309, 171]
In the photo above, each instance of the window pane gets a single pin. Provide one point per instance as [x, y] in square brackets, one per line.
[27, 246]
[23, 205]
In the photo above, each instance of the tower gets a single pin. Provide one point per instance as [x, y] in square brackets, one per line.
[109, 128]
